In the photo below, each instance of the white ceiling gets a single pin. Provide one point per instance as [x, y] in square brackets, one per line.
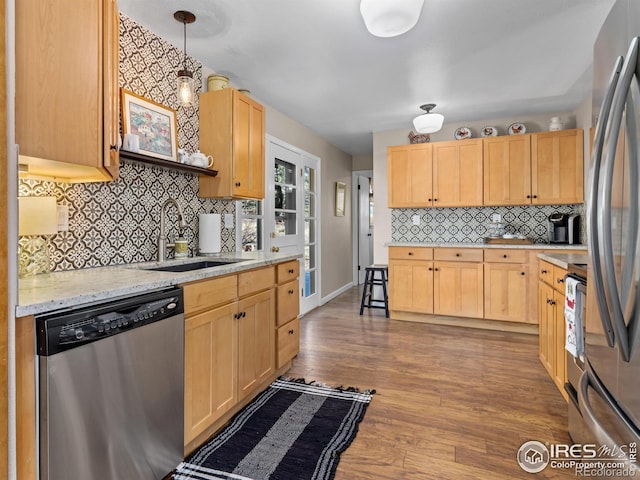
[314, 60]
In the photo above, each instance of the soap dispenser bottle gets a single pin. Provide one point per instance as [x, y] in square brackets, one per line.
[181, 247]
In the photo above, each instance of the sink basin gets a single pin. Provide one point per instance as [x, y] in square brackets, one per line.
[187, 267]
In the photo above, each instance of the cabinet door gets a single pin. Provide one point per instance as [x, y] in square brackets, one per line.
[411, 286]
[64, 82]
[248, 138]
[557, 174]
[457, 289]
[507, 170]
[409, 176]
[547, 331]
[505, 291]
[560, 356]
[457, 173]
[210, 368]
[256, 342]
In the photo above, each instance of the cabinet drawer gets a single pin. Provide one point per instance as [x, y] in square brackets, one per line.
[288, 302]
[255, 280]
[209, 293]
[558, 279]
[545, 272]
[500, 255]
[288, 341]
[458, 254]
[416, 253]
[288, 271]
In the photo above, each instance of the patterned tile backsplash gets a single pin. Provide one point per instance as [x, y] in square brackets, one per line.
[471, 224]
[118, 222]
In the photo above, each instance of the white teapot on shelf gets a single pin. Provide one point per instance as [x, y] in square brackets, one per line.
[199, 159]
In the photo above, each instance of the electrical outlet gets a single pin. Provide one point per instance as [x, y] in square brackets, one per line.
[63, 217]
[496, 217]
[415, 220]
[228, 220]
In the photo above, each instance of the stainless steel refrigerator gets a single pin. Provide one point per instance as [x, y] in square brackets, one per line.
[609, 391]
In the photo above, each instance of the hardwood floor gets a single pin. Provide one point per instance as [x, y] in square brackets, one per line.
[451, 402]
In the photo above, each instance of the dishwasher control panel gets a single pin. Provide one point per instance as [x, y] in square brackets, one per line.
[72, 328]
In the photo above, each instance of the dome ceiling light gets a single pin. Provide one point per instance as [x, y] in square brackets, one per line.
[428, 122]
[390, 18]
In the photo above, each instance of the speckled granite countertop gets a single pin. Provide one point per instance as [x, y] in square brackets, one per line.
[532, 246]
[57, 290]
[563, 260]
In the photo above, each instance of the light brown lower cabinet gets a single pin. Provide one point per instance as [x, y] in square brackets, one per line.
[229, 344]
[506, 285]
[552, 323]
[457, 289]
[411, 279]
[288, 308]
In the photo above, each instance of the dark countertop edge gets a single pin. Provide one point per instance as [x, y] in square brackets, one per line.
[155, 280]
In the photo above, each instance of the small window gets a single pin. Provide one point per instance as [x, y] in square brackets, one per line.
[250, 219]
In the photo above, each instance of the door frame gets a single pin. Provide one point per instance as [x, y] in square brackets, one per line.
[306, 158]
[354, 224]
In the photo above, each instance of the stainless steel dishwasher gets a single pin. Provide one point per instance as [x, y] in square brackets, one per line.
[111, 389]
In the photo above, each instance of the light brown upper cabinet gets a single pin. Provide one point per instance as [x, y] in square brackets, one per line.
[457, 173]
[67, 111]
[232, 130]
[557, 172]
[507, 170]
[409, 176]
[443, 174]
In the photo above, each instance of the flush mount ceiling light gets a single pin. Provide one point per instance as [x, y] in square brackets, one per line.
[428, 122]
[186, 84]
[390, 18]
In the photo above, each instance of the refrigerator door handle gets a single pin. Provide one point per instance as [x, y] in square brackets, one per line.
[592, 205]
[601, 435]
[604, 218]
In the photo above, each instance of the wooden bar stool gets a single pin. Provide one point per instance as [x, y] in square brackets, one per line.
[370, 280]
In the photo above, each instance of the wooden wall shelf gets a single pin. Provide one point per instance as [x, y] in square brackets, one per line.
[168, 164]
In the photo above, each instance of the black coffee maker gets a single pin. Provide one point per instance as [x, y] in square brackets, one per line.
[564, 228]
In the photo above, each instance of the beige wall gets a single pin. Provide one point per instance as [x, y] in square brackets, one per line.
[381, 140]
[336, 257]
[362, 162]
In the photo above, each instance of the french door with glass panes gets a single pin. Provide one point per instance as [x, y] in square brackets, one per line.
[291, 213]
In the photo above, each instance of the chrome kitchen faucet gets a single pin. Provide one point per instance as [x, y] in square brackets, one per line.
[162, 238]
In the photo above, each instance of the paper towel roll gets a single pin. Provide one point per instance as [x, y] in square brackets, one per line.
[209, 235]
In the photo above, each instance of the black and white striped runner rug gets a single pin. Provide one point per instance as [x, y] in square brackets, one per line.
[291, 431]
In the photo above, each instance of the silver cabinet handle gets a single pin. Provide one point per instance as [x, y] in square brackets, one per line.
[592, 204]
[605, 195]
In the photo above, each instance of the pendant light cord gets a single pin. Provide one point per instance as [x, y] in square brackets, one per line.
[184, 22]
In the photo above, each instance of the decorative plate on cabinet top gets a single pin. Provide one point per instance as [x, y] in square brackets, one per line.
[489, 132]
[462, 133]
[517, 129]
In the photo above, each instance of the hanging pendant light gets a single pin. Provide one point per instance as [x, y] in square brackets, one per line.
[428, 122]
[186, 83]
[390, 18]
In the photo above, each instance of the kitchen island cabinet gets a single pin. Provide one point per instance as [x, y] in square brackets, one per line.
[232, 129]
[67, 115]
[287, 310]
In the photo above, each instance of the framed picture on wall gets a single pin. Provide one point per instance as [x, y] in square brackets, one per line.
[341, 198]
[155, 125]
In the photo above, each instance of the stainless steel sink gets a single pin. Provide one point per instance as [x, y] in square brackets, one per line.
[187, 267]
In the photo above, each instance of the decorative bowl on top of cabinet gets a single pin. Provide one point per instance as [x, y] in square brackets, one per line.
[67, 89]
[232, 130]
